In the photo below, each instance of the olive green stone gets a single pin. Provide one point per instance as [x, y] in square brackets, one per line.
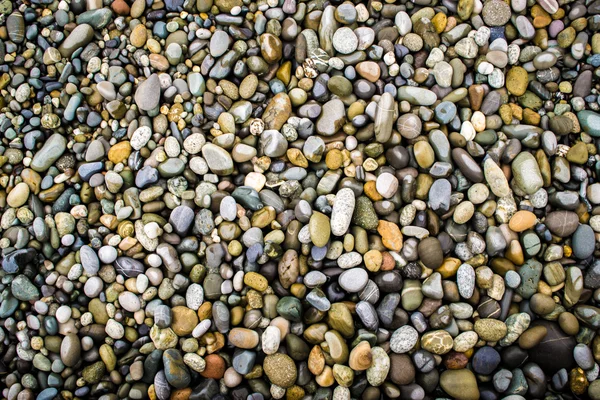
[460, 384]
[290, 308]
[93, 373]
[319, 229]
[530, 100]
[343, 375]
[578, 153]
[296, 347]
[364, 214]
[340, 319]
[340, 86]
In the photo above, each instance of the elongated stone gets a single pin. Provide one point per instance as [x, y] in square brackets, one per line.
[384, 118]
[53, 148]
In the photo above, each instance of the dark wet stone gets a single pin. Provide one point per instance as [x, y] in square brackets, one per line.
[18, 259]
[555, 351]
[485, 360]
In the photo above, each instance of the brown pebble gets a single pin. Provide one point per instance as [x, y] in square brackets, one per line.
[542, 304]
[568, 323]
[120, 7]
[402, 370]
[215, 367]
[360, 356]
[455, 360]
[532, 337]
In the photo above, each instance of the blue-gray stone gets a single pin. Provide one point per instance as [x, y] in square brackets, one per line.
[13, 262]
[445, 112]
[146, 177]
[47, 394]
[530, 273]
[248, 197]
[22, 288]
[181, 219]
[590, 122]
[243, 361]
[87, 170]
[8, 306]
[584, 242]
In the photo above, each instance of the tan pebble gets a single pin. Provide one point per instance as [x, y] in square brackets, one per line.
[522, 220]
[138, 36]
[361, 357]
[243, 338]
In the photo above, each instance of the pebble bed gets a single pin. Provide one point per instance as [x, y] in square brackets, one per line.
[320, 200]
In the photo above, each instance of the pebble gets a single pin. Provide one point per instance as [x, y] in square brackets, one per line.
[280, 369]
[465, 278]
[353, 280]
[403, 189]
[460, 384]
[404, 339]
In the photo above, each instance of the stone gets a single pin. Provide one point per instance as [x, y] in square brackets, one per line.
[277, 112]
[465, 278]
[218, 159]
[527, 173]
[320, 229]
[384, 118]
[18, 195]
[53, 148]
[23, 289]
[517, 80]
[147, 96]
[437, 342]
[332, 118]
[584, 242]
[176, 371]
[70, 350]
[522, 220]
[194, 296]
[391, 236]
[184, 320]
[490, 330]
[555, 345]
[589, 121]
[404, 339]
[79, 37]
[364, 214]
[562, 223]
[243, 338]
[280, 369]
[341, 214]
[460, 384]
[516, 324]
[353, 280]
[380, 367]
[485, 360]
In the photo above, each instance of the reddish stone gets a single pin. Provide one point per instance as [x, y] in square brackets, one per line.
[215, 367]
[455, 360]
